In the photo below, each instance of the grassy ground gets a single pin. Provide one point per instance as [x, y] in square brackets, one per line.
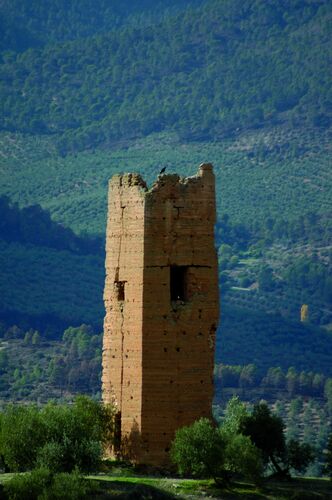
[128, 486]
[148, 487]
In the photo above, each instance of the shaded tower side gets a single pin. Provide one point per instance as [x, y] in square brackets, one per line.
[180, 308]
[123, 298]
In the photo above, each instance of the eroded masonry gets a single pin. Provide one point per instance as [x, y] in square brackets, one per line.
[161, 300]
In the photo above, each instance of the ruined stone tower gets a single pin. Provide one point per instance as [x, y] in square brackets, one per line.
[161, 300]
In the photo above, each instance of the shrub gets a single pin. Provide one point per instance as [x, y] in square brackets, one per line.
[50, 456]
[41, 484]
[74, 435]
[58, 437]
[22, 433]
[66, 486]
[242, 457]
[28, 486]
[198, 450]
[206, 451]
[266, 431]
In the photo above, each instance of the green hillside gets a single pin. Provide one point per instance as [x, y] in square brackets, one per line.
[53, 284]
[35, 24]
[206, 73]
[93, 88]
[258, 174]
[270, 340]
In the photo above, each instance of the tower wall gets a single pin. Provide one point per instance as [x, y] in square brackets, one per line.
[123, 298]
[159, 343]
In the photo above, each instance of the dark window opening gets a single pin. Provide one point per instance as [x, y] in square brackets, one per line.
[178, 280]
[120, 290]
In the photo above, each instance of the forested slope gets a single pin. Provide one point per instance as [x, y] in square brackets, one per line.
[92, 88]
[206, 73]
[35, 24]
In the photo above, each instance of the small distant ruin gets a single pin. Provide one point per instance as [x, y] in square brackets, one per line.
[162, 308]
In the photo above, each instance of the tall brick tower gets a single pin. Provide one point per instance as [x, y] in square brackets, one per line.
[161, 300]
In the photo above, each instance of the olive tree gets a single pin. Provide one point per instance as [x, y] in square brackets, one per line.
[266, 432]
[61, 437]
[198, 450]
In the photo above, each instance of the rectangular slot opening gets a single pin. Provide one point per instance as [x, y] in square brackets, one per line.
[178, 283]
[120, 290]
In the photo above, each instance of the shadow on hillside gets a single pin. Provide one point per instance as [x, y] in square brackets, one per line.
[34, 225]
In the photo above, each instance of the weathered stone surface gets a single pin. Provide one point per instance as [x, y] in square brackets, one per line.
[161, 301]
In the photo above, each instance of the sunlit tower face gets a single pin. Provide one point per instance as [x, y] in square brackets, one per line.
[161, 300]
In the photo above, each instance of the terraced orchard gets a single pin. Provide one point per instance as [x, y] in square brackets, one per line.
[277, 173]
[274, 190]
